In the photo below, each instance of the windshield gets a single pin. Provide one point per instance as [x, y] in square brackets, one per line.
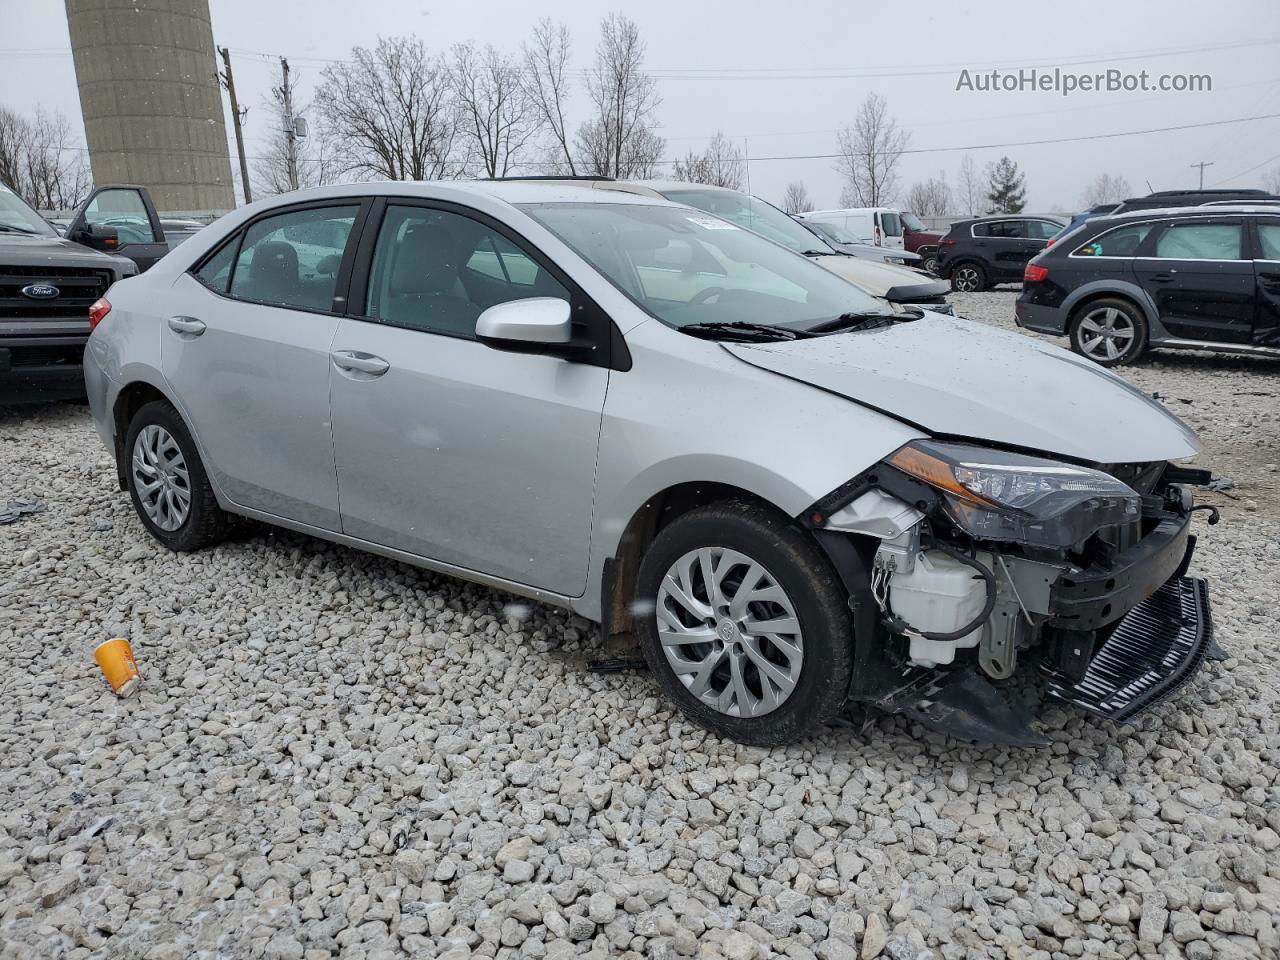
[832, 232]
[754, 214]
[912, 222]
[17, 217]
[685, 267]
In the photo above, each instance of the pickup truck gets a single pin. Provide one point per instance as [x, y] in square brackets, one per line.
[48, 283]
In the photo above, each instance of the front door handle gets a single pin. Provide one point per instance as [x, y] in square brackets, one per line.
[354, 362]
[186, 326]
[1164, 277]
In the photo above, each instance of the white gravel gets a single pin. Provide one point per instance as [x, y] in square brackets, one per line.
[335, 755]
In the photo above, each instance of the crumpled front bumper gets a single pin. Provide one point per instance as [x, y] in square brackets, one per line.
[1157, 646]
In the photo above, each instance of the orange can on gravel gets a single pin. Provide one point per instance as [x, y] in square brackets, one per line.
[115, 657]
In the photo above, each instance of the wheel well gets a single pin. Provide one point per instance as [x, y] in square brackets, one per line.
[132, 399]
[1103, 295]
[618, 583]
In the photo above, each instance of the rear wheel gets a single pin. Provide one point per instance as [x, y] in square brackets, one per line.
[167, 482]
[968, 278]
[929, 262]
[1109, 332]
[750, 632]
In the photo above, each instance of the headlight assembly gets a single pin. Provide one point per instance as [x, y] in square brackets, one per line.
[993, 495]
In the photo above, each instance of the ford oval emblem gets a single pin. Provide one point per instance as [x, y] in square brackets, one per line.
[40, 291]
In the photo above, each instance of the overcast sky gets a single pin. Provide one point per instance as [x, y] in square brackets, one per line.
[800, 69]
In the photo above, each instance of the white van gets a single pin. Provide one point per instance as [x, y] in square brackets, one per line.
[881, 226]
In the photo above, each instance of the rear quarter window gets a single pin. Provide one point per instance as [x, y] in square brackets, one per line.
[1118, 242]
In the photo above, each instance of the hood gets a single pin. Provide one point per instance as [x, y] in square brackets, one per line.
[879, 278]
[17, 249]
[963, 379]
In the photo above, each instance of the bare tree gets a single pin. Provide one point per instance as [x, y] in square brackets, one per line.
[40, 162]
[621, 140]
[930, 198]
[796, 199]
[870, 149]
[289, 161]
[546, 61]
[1271, 181]
[722, 164]
[498, 117]
[970, 189]
[1106, 189]
[392, 113]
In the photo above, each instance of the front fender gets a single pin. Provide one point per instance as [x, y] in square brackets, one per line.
[690, 412]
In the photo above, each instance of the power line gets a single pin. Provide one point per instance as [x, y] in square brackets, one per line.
[1237, 176]
[911, 150]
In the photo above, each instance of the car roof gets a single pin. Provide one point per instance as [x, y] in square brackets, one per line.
[513, 192]
[1161, 213]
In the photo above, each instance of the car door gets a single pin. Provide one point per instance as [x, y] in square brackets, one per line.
[127, 210]
[248, 358]
[1200, 278]
[1266, 267]
[1009, 247]
[447, 448]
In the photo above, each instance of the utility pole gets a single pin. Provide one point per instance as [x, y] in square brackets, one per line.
[285, 93]
[229, 81]
[1202, 164]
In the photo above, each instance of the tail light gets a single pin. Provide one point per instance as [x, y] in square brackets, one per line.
[1035, 273]
[947, 241]
[877, 236]
[98, 312]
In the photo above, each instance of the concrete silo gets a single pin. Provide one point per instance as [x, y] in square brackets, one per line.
[150, 98]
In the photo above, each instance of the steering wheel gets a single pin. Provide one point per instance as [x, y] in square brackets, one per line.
[702, 296]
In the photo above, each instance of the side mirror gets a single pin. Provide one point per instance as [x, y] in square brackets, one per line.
[535, 325]
[98, 236]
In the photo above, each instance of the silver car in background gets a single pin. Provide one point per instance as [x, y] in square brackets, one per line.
[792, 498]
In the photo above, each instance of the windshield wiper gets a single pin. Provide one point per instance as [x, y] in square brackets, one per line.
[13, 229]
[743, 329]
[867, 318]
[816, 253]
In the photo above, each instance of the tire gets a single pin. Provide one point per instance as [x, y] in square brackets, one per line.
[168, 453]
[929, 263]
[1109, 331]
[740, 538]
[968, 277]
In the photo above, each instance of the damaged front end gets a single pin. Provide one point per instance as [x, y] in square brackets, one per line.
[984, 582]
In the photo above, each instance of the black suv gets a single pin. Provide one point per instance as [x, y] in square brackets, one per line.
[1194, 278]
[48, 283]
[977, 254]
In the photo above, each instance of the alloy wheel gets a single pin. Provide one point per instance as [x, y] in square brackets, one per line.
[967, 279]
[160, 476]
[1106, 333]
[729, 632]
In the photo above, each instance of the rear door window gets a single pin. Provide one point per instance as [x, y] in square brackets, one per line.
[292, 259]
[1008, 229]
[1200, 241]
[1269, 240]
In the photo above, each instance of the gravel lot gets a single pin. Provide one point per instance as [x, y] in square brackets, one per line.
[333, 754]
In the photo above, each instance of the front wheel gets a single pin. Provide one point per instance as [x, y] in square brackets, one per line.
[1109, 332]
[750, 632]
[929, 263]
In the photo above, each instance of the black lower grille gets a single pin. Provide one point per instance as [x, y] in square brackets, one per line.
[1156, 648]
[77, 288]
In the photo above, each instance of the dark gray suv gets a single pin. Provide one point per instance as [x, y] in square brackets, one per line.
[1194, 278]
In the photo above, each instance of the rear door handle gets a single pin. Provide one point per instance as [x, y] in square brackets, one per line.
[188, 327]
[1165, 277]
[354, 362]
